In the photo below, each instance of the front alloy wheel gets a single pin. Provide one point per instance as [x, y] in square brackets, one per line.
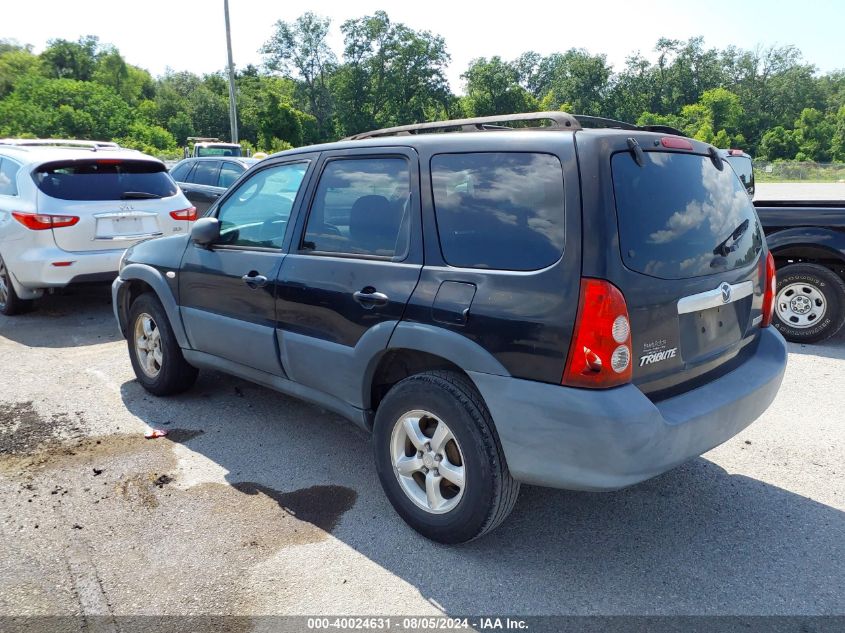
[148, 345]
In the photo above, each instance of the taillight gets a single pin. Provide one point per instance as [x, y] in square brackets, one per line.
[43, 221]
[189, 214]
[769, 293]
[600, 353]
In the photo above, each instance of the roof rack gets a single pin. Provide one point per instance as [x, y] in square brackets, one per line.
[59, 142]
[558, 121]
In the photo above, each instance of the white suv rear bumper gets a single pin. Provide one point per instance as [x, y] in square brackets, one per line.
[35, 267]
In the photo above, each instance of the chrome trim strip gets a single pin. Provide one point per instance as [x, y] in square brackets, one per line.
[757, 320]
[126, 238]
[713, 298]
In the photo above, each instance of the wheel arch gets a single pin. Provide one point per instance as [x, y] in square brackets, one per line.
[140, 278]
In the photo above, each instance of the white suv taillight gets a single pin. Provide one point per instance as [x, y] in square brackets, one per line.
[600, 352]
[43, 221]
[189, 214]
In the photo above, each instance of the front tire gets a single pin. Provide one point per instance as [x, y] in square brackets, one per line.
[10, 303]
[810, 303]
[156, 356]
[439, 459]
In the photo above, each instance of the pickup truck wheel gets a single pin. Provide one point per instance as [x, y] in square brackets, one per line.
[810, 303]
[439, 460]
[10, 303]
[156, 357]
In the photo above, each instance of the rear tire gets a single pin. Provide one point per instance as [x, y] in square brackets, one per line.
[156, 356]
[810, 303]
[10, 303]
[442, 404]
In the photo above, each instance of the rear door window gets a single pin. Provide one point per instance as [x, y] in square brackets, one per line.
[680, 217]
[105, 179]
[499, 210]
[205, 173]
[362, 207]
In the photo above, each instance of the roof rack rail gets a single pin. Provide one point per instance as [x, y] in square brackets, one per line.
[558, 120]
[602, 122]
[59, 142]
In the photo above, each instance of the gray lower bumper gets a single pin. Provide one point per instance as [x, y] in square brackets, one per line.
[583, 439]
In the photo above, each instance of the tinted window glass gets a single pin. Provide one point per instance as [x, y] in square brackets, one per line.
[744, 170]
[180, 172]
[229, 173]
[680, 217]
[105, 179]
[257, 213]
[499, 210]
[362, 207]
[205, 173]
[8, 177]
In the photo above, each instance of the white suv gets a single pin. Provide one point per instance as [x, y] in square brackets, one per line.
[69, 210]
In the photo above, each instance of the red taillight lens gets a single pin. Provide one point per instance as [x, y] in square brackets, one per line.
[675, 142]
[43, 221]
[769, 293]
[189, 214]
[600, 353]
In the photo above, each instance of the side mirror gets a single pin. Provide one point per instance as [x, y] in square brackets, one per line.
[205, 231]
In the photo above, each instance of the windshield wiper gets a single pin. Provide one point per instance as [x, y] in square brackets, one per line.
[722, 248]
[138, 195]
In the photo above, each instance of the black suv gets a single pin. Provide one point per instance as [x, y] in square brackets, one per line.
[568, 307]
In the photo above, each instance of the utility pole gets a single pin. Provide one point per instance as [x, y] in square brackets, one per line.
[233, 108]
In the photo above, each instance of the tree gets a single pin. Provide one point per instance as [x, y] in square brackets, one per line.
[813, 134]
[71, 60]
[778, 143]
[492, 87]
[301, 48]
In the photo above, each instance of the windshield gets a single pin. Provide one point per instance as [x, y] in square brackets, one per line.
[679, 216]
[105, 179]
[211, 150]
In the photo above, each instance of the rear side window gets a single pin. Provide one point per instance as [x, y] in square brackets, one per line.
[362, 207]
[499, 210]
[229, 173]
[744, 170]
[8, 177]
[105, 179]
[180, 172]
[680, 217]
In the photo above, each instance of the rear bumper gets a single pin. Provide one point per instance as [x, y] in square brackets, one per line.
[582, 439]
[34, 268]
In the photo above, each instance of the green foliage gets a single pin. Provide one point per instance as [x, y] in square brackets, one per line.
[768, 101]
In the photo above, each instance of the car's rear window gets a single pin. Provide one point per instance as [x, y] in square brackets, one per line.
[499, 210]
[105, 179]
[680, 217]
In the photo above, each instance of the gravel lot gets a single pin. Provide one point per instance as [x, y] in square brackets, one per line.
[260, 504]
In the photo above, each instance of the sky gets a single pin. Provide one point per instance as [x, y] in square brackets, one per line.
[189, 34]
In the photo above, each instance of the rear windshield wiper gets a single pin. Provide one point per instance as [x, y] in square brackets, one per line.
[138, 195]
[722, 248]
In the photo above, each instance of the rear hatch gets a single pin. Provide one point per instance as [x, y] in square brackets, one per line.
[118, 201]
[693, 263]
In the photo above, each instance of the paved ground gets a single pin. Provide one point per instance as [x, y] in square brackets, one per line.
[258, 503]
[800, 191]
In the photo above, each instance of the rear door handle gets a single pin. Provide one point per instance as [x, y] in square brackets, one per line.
[370, 298]
[254, 280]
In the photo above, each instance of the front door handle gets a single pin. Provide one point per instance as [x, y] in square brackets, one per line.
[254, 280]
[369, 298]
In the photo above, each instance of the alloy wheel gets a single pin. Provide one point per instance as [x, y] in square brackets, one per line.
[148, 345]
[800, 305]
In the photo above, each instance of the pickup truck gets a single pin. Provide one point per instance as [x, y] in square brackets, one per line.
[807, 240]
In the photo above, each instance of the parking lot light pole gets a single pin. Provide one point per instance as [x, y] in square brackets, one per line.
[233, 108]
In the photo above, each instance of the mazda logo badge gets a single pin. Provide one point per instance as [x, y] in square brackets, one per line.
[726, 292]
